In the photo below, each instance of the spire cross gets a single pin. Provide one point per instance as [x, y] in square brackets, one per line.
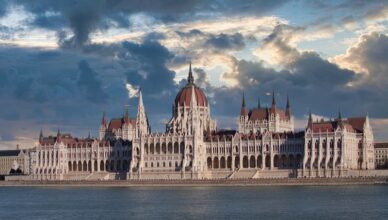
[190, 78]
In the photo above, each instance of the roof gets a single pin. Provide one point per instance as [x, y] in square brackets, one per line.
[355, 124]
[9, 153]
[64, 138]
[260, 114]
[275, 135]
[117, 123]
[184, 96]
[381, 145]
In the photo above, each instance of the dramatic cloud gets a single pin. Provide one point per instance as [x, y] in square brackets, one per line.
[90, 85]
[368, 56]
[223, 41]
[85, 17]
[64, 62]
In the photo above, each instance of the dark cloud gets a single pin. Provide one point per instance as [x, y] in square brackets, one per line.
[201, 78]
[85, 17]
[226, 42]
[3, 7]
[372, 54]
[90, 84]
[54, 88]
[311, 81]
[150, 73]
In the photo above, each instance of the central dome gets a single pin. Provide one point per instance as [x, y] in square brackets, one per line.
[184, 96]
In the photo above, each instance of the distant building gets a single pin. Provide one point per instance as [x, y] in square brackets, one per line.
[14, 162]
[381, 155]
[264, 146]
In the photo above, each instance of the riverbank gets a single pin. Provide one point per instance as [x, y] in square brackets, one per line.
[220, 182]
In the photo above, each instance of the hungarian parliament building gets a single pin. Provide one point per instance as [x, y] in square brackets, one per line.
[192, 147]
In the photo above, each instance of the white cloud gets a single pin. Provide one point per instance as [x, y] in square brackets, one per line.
[132, 90]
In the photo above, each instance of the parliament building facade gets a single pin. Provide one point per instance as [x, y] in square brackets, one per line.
[264, 146]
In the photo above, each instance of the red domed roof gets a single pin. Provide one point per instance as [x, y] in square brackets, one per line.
[184, 96]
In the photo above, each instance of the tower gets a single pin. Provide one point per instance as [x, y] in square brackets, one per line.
[288, 108]
[310, 121]
[103, 126]
[190, 78]
[273, 107]
[142, 126]
[243, 112]
[41, 135]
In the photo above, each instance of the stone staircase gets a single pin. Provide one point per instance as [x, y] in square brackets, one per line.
[98, 176]
[230, 176]
[244, 174]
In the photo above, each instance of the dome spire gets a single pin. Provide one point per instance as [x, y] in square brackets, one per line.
[190, 78]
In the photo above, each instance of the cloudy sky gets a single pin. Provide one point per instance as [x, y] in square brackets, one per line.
[64, 62]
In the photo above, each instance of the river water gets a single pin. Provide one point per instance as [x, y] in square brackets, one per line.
[253, 202]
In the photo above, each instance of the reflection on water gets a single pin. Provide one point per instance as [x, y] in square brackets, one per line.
[288, 202]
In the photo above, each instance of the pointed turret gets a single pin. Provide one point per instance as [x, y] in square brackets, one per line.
[288, 108]
[103, 120]
[142, 126]
[190, 78]
[258, 102]
[243, 111]
[41, 134]
[126, 116]
[339, 115]
[310, 121]
[58, 136]
[340, 122]
[367, 123]
[273, 107]
[103, 126]
[140, 98]
[273, 99]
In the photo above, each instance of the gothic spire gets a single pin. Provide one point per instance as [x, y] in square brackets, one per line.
[339, 118]
[126, 115]
[243, 100]
[288, 107]
[258, 102]
[310, 122]
[273, 99]
[41, 134]
[273, 108]
[243, 107]
[140, 98]
[190, 78]
[339, 115]
[142, 125]
[103, 120]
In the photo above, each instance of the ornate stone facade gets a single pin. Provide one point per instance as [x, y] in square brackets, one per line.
[265, 146]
